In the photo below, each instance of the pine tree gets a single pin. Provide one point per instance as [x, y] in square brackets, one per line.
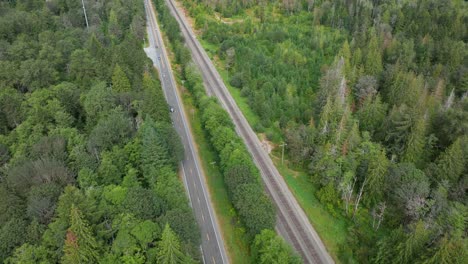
[376, 171]
[80, 245]
[154, 103]
[415, 146]
[414, 246]
[325, 118]
[373, 64]
[169, 251]
[449, 251]
[120, 82]
[114, 27]
[398, 128]
[154, 155]
[371, 114]
[348, 67]
[451, 163]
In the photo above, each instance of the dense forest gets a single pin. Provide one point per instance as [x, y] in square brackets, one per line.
[371, 99]
[88, 155]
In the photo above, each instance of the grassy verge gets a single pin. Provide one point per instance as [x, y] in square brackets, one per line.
[234, 237]
[332, 230]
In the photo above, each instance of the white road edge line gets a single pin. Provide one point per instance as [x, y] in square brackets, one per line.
[189, 136]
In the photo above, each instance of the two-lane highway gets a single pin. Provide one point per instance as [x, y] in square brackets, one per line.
[213, 250]
[292, 224]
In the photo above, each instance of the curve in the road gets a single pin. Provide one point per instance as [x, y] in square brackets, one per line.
[293, 220]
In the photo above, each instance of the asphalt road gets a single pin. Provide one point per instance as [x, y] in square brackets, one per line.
[212, 246]
[292, 222]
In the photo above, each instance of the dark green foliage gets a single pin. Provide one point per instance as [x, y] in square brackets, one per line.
[41, 202]
[240, 174]
[97, 102]
[236, 176]
[10, 109]
[83, 67]
[31, 173]
[171, 142]
[68, 118]
[12, 205]
[12, 235]
[53, 147]
[254, 207]
[115, 129]
[154, 104]
[182, 222]
[154, 155]
[142, 203]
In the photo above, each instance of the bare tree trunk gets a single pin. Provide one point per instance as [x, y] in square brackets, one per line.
[373, 213]
[382, 208]
[359, 197]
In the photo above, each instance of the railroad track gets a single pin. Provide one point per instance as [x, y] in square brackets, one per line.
[294, 221]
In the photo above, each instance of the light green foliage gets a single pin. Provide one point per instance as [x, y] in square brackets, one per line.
[169, 251]
[373, 63]
[130, 179]
[270, 248]
[115, 194]
[29, 254]
[146, 232]
[87, 178]
[416, 142]
[328, 196]
[112, 167]
[80, 244]
[98, 101]
[120, 82]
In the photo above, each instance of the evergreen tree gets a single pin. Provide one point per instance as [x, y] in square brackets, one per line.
[169, 251]
[373, 64]
[371, 114]
[154, 155]
[270, 248]
[416, 142]
[451, 163]
[80, 245]
[120, 82]
[154, 103]
[377, 165]
[114, 27]
[449, 251]
[398, 128]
